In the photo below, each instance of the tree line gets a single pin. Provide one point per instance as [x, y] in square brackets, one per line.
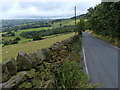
[104, 19]
[14, 41]
[35, 35]
[37, 24]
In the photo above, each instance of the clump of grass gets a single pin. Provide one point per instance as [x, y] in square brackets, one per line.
[70, 76]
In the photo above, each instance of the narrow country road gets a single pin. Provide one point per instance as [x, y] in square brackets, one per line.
[101, 61]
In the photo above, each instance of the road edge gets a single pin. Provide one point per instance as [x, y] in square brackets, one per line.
[105, 42]
[86, 68]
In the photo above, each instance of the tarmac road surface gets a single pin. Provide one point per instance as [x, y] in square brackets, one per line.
[101, 61]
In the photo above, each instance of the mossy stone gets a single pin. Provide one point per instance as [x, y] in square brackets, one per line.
[5, 73]
[43, 54]
[14, 81]
[31, 73]
[11, 66]
[26, 85]
[36, 82]
[23, 61]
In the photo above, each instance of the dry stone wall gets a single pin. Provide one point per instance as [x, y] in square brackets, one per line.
[35, 70]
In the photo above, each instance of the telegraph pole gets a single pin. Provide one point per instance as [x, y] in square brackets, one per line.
[75, 18]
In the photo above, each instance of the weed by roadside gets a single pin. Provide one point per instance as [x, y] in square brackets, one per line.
[70, 74]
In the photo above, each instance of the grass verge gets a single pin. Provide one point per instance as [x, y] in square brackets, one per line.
[70, 74]
[112, 41]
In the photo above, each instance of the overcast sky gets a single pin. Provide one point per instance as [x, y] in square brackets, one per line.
[19, 9]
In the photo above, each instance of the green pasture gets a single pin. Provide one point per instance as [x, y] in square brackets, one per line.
[17, 34]
[66, 22]
[28, 47]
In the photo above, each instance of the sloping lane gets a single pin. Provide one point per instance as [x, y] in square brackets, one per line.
[102, 61]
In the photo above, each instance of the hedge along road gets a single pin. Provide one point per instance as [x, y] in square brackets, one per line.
[101, 61]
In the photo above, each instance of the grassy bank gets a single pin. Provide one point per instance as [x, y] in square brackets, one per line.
[12, 50]
[113, 41]
[70, 74]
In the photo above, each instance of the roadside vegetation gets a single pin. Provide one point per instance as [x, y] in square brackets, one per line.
[70, 74]
[113, 41]
[104, 22]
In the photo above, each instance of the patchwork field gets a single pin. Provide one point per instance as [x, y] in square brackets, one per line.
[12, 50]
[28, 46]
[17, 34]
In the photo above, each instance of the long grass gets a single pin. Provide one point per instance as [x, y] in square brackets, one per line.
[70, 75]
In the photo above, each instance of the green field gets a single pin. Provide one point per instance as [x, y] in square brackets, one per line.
[28, 47]
[33, 29]
[23, 40]
[17, 34]
[66, 22]
[12, 50]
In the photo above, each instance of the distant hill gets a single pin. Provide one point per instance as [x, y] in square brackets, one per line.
[13, 22]
[82, 16]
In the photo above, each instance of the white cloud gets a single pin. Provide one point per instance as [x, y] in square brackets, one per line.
[18, 9]
[51, 1]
